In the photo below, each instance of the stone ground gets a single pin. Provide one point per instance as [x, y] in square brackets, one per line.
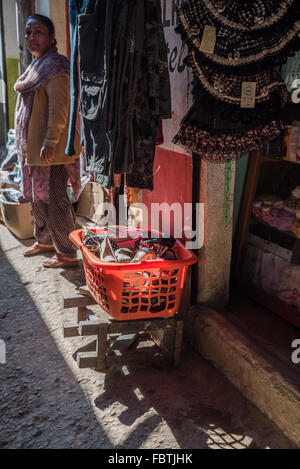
[47, 402]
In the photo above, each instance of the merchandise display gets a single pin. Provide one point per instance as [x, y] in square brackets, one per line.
[277, 213]
[139, 289]
[128, 250]
[296, 225]
[292, 203]
[248, 35]
[124, 87]
[270, 265]
[272, 273]
[238, 96]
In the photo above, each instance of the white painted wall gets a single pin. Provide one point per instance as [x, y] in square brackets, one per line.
[58, 16]
[42, 7]
[10, 29]
[180, 75]
[56, 10]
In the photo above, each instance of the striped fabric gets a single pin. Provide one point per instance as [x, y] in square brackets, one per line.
[55, 221]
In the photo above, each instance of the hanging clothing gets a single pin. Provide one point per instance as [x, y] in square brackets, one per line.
[54, 221]
[214, 86]
[125, 88]
[75, 8]
[250, 35]
[95, 36]
[225, 146]
[232, 49]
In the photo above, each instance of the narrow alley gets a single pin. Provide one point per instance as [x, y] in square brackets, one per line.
[46, 401]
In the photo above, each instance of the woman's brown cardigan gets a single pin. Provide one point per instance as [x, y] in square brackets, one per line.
[49, 123]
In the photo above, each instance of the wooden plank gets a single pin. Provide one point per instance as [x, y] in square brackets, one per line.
[142, 356]
[245, 211]
[185, 301]
[157, 337]
[102, 346]
[84, 291]
[86, 359]
[178, 342]
[123, 343]
[88, 328]
[130, 327]
[81, 313]
[165, 339]
[77, 301]
[70, 330]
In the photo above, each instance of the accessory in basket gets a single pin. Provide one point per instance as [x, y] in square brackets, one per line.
[144, 254]
[124, 255]
[136, 290]
[161, 246]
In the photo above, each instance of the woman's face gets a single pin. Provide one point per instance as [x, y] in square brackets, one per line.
[38, 40]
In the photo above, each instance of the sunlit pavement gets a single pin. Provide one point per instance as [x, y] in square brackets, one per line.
[47, 402]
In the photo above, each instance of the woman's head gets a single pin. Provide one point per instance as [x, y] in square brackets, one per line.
[39, 34]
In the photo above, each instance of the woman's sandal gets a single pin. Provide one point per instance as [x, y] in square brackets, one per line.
[37, 248]
[57, 261]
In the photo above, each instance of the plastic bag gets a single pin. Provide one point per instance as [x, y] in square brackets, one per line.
[12, 155]
[13, 196]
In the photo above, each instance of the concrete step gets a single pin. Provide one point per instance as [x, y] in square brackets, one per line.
[252, 347]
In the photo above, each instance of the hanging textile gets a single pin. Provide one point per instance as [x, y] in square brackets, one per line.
[232, 51]
[75, 8]
[125, 88]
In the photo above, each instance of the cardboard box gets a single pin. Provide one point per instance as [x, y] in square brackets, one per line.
[90, 203]
[18, 218]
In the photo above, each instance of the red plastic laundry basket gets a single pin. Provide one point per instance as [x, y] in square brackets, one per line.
[141, 290]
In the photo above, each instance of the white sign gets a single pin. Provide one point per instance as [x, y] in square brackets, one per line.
[296, 354]
[180, 75]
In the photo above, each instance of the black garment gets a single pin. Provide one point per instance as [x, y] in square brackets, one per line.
[216, 116]
[250, 35]
[75, 8]
[123, 63]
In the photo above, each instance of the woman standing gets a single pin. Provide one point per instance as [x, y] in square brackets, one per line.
[41, 123]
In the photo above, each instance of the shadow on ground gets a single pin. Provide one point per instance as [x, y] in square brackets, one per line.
[200, 407]
[41, 403]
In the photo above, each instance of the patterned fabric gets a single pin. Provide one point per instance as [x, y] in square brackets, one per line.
[54, 221]
[228, 88]
[35, 180]
[250, 38]
[221, 147]
[244, 15]
[249, 34]
[216, 116]
[50, 65]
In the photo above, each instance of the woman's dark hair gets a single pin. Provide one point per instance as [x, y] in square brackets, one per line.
[46, 21]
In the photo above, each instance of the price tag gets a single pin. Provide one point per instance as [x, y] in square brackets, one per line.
[209, 40]
[248, 95]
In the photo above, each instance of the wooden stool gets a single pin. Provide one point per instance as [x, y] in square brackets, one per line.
[115, 337]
